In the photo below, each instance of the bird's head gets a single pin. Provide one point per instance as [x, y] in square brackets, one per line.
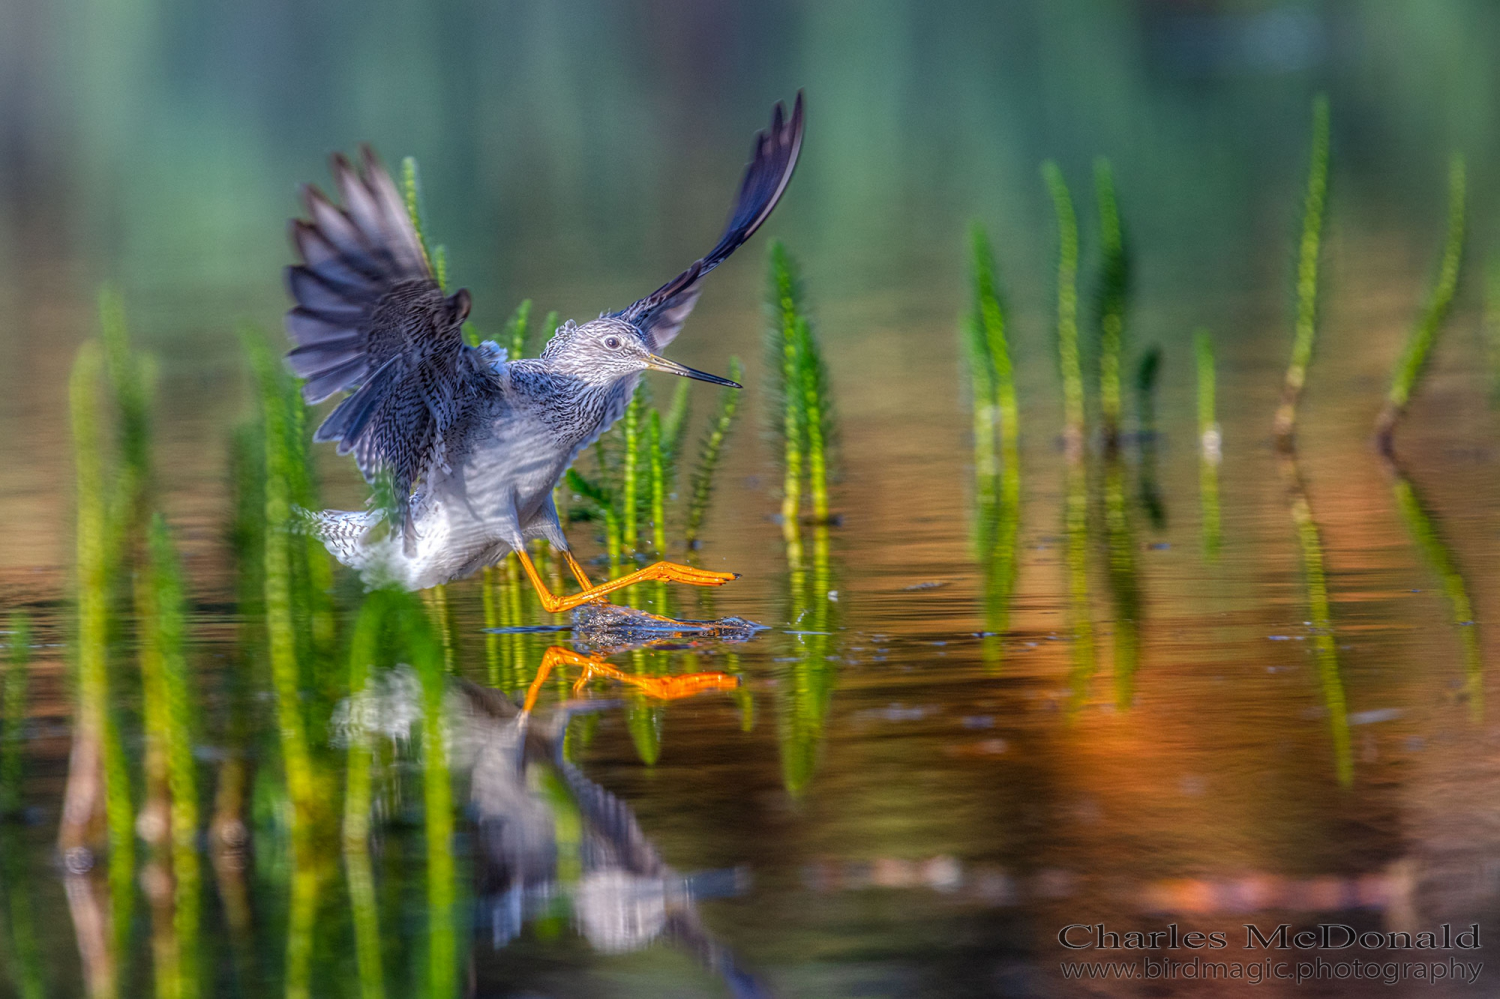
[605, 350]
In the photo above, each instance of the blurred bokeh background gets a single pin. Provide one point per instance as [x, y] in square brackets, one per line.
[576, 152]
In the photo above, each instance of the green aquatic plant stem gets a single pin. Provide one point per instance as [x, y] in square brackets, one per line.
[1203, 354]
[1308, 251]
[518, 331]
[675, 423]
[1113, 292]
[1492, 324]
[990, 339]
[312, 569]
[130, 380]
[603, 503]
[411, 192]
[13, 712]
[281, 630]
[657, 468]
[1210, 444]
[1067, 310]
[629, 465]
[96, 762]
[981, 387]
[998, 483]
[1419, 344]
[813, 381]
[784, 295]
[712, 451]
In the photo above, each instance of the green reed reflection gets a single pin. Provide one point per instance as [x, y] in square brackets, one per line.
[23, 950]
[1124, 579]
[363, 648]
[643, 719]
[1146, 375]
[13, 706]
[803, 696]
[302, 912]
[1320, 614]
[1076, 570]
[1427, 534]
[437, 800]
[24, 955]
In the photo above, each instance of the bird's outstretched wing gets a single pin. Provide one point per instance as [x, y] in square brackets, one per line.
[370, 318]
[660, 315]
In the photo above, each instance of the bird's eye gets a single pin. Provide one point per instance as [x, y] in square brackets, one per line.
[612, 342]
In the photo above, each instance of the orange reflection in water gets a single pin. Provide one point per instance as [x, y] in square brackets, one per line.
[666, 688]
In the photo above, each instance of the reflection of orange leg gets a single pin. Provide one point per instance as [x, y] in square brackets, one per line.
[660, 570]
[555, 655]
[667, 688]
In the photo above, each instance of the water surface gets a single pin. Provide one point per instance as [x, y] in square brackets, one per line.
[895, 802]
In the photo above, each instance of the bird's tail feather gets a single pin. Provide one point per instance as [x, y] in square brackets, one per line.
[343, 532]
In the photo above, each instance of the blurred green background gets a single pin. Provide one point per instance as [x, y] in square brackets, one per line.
[589, 145]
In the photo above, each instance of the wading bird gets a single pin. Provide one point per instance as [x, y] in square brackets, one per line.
[474, 442]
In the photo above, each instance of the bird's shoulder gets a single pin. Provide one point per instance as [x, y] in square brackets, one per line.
[530, 382]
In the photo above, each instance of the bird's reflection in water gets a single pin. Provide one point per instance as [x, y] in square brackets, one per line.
[549, 842]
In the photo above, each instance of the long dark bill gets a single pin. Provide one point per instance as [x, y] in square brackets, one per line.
[673, 368]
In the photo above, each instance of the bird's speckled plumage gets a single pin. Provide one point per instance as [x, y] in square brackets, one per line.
[473, 442]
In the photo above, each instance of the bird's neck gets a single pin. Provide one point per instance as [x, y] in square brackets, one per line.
[577, 411]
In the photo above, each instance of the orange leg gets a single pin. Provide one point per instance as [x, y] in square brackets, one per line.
[578, 573]
[660, 570]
